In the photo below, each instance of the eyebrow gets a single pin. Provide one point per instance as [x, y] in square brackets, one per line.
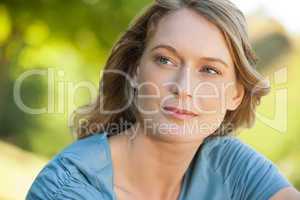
[173, 50]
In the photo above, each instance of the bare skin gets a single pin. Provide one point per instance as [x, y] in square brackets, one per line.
[155, 172]
[151, 165]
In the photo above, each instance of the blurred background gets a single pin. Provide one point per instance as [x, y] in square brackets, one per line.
[51, 56]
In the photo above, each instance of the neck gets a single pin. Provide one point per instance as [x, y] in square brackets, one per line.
[156, 167]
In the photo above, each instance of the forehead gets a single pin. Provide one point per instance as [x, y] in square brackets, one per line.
[191, 34]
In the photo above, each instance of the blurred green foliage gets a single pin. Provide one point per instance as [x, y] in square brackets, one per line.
[271, 46]
[75, 37]
[70, 36]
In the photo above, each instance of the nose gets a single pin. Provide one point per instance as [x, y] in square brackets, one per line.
[183, 87]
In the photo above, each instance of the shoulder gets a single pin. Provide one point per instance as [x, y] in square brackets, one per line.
[225, 151]
[245, 172]
[77, 172]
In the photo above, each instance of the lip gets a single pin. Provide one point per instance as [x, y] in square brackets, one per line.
[180, 113]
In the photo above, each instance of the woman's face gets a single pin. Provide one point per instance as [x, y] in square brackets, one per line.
[186, 65]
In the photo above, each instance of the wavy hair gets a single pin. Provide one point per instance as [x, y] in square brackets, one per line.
[116, 91]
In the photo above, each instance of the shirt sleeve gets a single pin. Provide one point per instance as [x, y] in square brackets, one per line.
[58, 182]
[248, 174]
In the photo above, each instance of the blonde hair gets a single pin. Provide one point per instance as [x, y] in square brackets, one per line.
[129, 48]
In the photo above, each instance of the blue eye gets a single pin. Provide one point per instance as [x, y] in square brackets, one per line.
[210, 70]
[163, 60]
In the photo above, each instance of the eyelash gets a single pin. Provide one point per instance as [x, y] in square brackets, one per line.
[204, 68]
[158, 58]
[208, 67]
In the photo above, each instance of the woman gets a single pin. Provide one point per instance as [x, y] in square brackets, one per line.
[176, 88]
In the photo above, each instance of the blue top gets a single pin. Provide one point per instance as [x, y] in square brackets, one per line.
[223, 168]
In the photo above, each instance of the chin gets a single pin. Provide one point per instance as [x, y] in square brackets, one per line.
[169, 131]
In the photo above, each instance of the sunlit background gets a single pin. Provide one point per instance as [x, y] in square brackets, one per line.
[57, 49]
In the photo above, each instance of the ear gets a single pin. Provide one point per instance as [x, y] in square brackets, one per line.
[237, 97]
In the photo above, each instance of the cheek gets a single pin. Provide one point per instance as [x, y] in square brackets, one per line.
[150, 82]
[151, 75]
[210, 98]
[154, 81]
[148, 95]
